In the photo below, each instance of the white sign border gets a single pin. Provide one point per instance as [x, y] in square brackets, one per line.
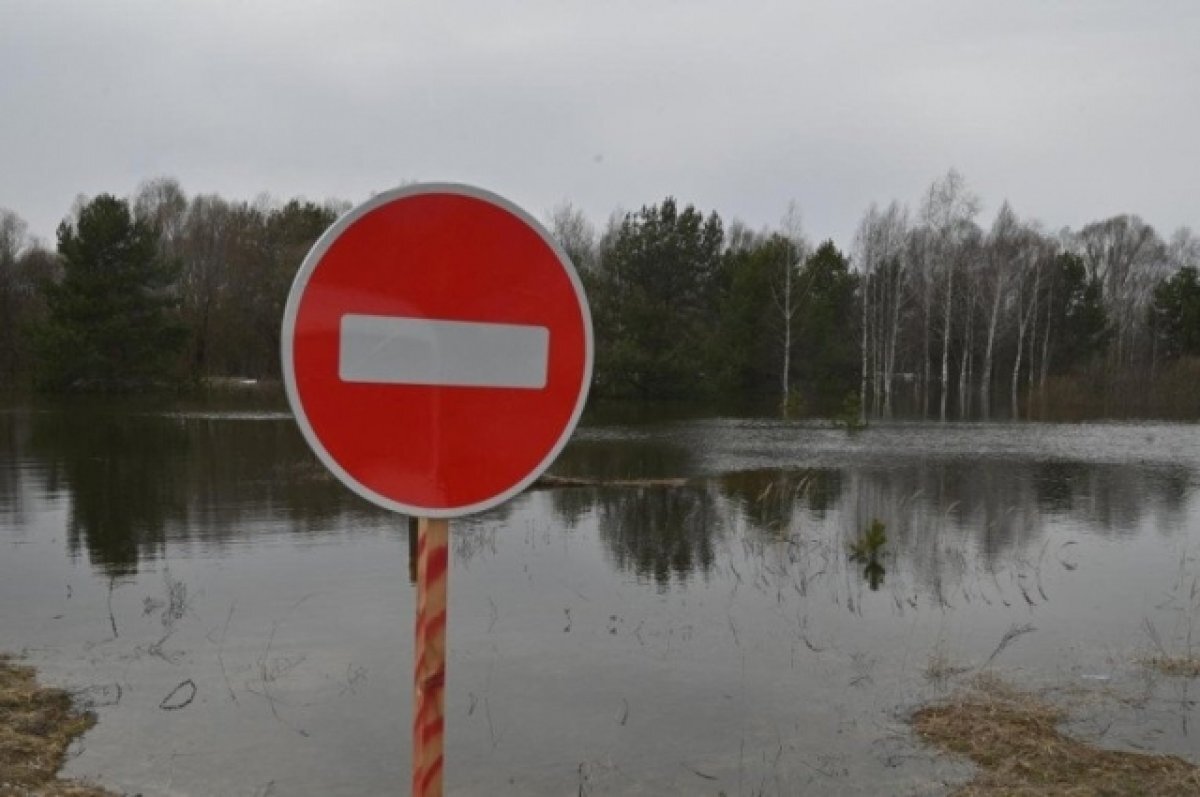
[287, 339]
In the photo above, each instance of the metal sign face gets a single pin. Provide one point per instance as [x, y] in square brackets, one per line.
[437, 349]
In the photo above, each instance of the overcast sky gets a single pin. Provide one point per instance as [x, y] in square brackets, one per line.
[1073, 111]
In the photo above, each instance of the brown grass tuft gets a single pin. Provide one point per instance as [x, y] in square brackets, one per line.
[1178, 666]
[36, 726]
[1014, 738]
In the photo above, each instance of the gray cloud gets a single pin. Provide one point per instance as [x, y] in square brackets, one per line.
[1072, 110]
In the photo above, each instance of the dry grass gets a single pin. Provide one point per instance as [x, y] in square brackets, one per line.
[1179, 666]
[1014, 738]
[941, 668]
[36, 725]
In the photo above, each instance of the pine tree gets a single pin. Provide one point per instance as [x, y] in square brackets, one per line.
[1175, 314]
[827, 356]
[108, 326]
[655, 303]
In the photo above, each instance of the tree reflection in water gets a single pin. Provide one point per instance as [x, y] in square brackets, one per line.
[124, 477]
[135, 483]
[660, 533]
[950, 526]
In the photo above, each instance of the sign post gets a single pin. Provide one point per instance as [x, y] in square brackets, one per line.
[437, 351]
[430, 667]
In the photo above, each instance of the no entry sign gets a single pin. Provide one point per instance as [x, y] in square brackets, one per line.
[437, 349]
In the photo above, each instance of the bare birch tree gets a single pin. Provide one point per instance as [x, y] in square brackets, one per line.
[1127, 257]
[1003, 250]
[575, 234]
[1034, 250]
[880, 252]
[948, 214]
[787, 302]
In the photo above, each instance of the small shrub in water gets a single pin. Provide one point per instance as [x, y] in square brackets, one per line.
[868, 546]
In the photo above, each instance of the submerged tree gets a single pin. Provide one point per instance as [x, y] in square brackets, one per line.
[108, 325]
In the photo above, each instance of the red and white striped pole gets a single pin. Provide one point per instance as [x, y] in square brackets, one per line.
[430, 670]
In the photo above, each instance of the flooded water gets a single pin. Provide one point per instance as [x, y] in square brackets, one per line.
[242, 624]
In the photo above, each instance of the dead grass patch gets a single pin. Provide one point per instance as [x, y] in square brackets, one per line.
[1014, 738]
[36, 725]
[1178, 666]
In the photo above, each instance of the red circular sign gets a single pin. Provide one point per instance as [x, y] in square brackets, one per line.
[437, 349]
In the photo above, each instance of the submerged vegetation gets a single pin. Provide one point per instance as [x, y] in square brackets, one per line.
[1014, 739]
[866, 551]
[868, 546]
[36, 726]
[1178, 664]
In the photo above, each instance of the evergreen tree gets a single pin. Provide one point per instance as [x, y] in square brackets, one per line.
[108, 324]
[750, 332]
[1175, 314]
[289, 233]
[1076, 308]
[655, 304]
[827, 354]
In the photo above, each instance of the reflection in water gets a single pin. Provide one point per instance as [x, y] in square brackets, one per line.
[768, 498]
[125, 480]
[720, 627]
[12, 492]
[138, 483]
[624, 456]
[947, 520]
[943, 520]
[874, 572]
[867, 551]
[659, 532]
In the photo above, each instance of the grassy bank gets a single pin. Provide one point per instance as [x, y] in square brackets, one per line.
[36, 726]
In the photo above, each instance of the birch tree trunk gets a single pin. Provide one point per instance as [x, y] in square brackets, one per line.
[985, 377]
[947, 317]
[893, 334]
[862, 387]
[1017, 361]
[964, 371]
[793, 230]
[787, 336]
[925, 351]
[1046, 346]
[1033, 313]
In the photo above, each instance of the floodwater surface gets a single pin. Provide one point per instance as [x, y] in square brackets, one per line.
[242, 624]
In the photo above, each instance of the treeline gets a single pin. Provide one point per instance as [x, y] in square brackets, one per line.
[934, 312]
[686, 309]
[957, 318]
[152, 290]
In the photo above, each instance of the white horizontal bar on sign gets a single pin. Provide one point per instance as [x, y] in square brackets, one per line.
[396, 350]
